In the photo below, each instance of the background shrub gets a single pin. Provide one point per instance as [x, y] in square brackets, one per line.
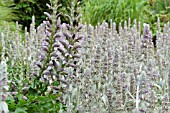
[95, 11]
[27, 8]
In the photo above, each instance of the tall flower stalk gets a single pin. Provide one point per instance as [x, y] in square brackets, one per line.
[3, 80]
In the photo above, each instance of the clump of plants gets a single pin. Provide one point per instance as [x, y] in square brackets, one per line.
[42, 63]
[121, 71]
[74, 67]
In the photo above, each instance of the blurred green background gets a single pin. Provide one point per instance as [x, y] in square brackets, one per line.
[93, 11]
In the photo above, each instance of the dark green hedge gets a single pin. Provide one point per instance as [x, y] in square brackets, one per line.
[26, 9]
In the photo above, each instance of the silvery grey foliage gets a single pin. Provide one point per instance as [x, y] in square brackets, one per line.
[122, 71]
[21, 50]
[3, 79]
[3, 87]
[99, 69]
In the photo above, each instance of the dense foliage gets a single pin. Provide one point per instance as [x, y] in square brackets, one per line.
[94, 11]
[27, 8]
[118, 10]
[6, 13]
[65, 65]
[161, 8]
[145, 11]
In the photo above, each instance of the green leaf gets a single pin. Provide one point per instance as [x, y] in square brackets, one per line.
[21, 110]
[56, 83]
[22, 102]
[12, 105]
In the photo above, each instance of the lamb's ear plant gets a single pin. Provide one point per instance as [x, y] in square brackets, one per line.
[21, 52]
[3, 79]
[85, 68]
[19, 61]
